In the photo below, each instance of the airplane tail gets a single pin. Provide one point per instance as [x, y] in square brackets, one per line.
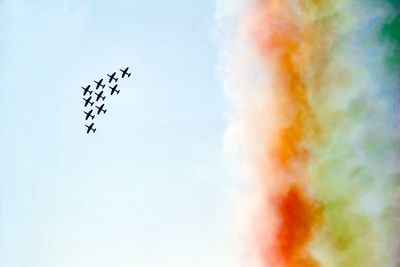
[94, 130]
[91, 104]
[117, 92]
[105, 111]
[129, 74]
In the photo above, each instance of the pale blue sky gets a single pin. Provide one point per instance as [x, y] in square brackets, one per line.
[149, 188]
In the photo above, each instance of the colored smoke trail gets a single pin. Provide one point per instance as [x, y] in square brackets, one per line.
[314, 90]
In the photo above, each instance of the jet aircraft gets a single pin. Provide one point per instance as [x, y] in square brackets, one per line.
[112, 77]
[99, 84]
[101, 109]
[86, 90]
[90, 128]
[114, 89]
[100, 95]
[89, 114]
[125, 72]
[87, 101]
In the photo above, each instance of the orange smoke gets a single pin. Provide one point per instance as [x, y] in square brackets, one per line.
[285, 43]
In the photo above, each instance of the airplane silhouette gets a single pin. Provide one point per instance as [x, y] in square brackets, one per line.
[125, 72]
[86, 90]
[99, 83]
[112, 77]
[114, 89]
[90, 128]
[100, 109]
[87, 101]
[100, 96]
[89, 114]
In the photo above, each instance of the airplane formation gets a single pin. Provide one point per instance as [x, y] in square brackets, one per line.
[99, 97]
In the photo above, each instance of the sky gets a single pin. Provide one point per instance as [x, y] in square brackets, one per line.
[150, 187]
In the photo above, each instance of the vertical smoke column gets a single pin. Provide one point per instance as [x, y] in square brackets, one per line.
[390, 37]
[292, 39]
[312, 86]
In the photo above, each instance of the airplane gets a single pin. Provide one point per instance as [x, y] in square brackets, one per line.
[100, 96]
[89, 114]
[86, 90]
[99, 83]
[112, 77]
[100, 109]
[125, 72]
[114, 89]
[87, 101]
[90, 128]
